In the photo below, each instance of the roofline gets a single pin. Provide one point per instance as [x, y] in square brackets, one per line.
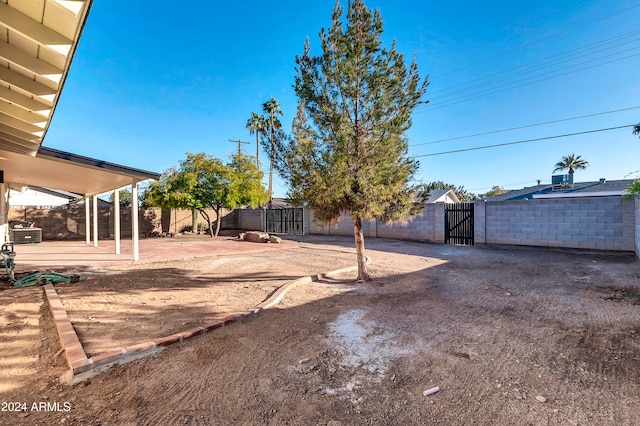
[579, 194]
[100, 164]
[72, 54]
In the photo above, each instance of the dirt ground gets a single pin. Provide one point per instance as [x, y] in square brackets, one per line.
[509, 335]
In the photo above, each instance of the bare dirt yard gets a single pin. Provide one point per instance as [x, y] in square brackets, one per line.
[509, 336]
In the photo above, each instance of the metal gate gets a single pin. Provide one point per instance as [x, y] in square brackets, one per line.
[458, 224]
[284, 221]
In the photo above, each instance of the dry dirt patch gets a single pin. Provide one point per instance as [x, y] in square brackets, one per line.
[511, 336]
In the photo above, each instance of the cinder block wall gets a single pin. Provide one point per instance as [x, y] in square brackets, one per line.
[429, 226]
[251, 219]
[68, 223]
[602, 223]
[637, 227]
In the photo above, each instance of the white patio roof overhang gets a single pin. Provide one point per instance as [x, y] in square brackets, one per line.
[37, 42]
[51, 168]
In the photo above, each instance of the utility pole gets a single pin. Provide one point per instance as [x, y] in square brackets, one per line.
[239, 142]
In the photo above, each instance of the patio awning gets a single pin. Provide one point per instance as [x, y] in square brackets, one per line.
[37, 43]
[52, 168]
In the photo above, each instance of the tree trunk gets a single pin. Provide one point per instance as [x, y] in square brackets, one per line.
[194, 221]
[363, 274]
[217, 221]
[208, 219]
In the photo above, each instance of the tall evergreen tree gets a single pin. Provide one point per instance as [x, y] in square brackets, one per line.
[349, 151]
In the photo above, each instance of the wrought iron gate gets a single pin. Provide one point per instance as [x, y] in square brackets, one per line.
[458, 223]
[284, 221]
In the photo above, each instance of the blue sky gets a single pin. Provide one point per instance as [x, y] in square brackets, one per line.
[150, 82]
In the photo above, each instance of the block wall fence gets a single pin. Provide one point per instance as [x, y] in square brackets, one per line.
[68, 223]
[600, 223]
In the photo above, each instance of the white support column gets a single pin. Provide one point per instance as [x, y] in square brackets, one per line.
[87, 220]
[134, 220]
[95, 221]
[116, 219]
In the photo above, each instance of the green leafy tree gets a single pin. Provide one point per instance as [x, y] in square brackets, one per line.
[203, 182]
[272, 110]
[496, 190]
[348, 151]
[632, 191]
[572, 163]
[125, 198]
[256, 124]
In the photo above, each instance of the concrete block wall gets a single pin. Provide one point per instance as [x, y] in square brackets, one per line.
[637, 226]
[601, 223]
[251, 219]
[68, 223]
[429, 226]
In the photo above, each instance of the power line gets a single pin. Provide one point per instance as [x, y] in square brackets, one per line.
[539, 40]
[568, 54]
[525, 126]
[523, 141]
[463, 99]
[497, 81]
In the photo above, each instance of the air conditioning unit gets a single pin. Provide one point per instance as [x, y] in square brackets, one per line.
[562, 179]
[25, 235]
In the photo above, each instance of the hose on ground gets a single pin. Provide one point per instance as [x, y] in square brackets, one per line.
[42, 278]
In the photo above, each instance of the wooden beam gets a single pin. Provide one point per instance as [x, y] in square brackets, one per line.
[32, 29]
[40, 105]
[19, 124]
[23, 114]
[22, 59]
[27, 84]
[28, 137]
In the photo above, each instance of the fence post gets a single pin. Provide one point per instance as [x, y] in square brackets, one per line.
[480, 222]
[440, 223]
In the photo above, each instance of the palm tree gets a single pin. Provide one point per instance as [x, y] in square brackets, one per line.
[256, 124]
[272, 108]
[572, 163]
[636, 129]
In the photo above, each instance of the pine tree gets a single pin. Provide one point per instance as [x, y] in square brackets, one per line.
[348, 151]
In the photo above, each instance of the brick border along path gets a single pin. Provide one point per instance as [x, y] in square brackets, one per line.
[77, 358]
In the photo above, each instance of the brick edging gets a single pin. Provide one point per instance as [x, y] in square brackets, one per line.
[77, 358]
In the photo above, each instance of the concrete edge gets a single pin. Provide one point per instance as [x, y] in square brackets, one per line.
[83, 368]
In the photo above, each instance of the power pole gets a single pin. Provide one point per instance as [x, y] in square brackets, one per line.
[239, 142]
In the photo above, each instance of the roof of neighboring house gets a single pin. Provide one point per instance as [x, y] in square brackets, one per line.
[438, 195]
[580, 189]
[56, 192]
[278, 203]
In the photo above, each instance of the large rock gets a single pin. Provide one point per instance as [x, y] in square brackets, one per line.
[274, 239]
[256, 237]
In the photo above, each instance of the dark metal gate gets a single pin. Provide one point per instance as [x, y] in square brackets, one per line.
[458, 223]
[284, 221]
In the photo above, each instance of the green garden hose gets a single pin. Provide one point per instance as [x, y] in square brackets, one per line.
[42, 278]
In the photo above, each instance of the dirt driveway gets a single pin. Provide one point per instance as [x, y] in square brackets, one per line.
[509, 335]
